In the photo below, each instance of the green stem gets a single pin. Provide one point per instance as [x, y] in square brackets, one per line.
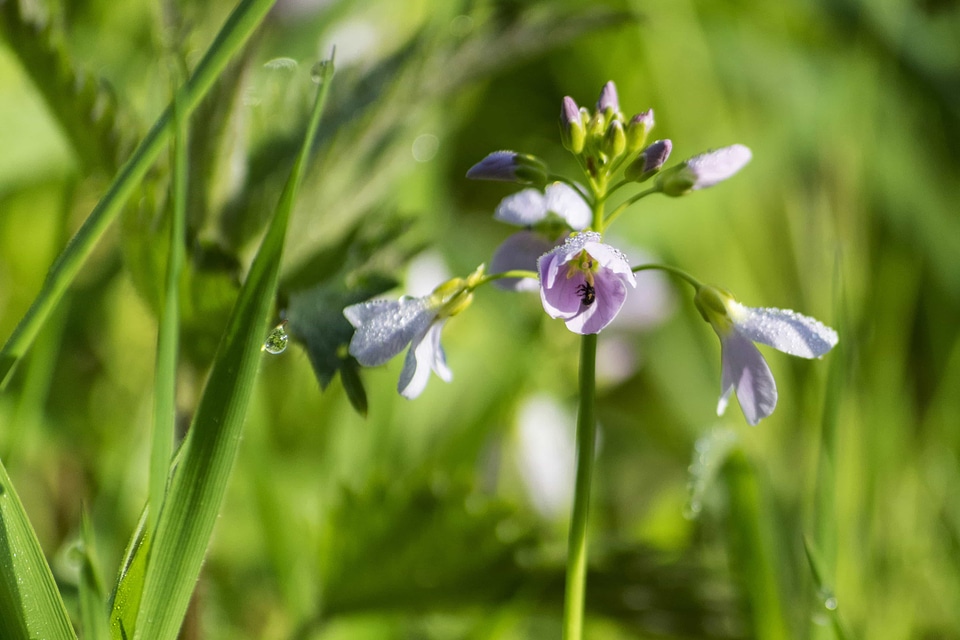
[513, 273]
[680, 273]
[626, 203]
[586, 443]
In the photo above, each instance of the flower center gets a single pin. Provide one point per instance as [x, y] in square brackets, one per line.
[586, 265]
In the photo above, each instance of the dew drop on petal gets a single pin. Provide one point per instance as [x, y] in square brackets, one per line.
[277, 339]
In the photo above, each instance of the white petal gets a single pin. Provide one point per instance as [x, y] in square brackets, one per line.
[384, 327]
[425, 354]
[566, 202]
[784, 330]
[519, 251]
[524, 208]
[744, 369]
[716, 166]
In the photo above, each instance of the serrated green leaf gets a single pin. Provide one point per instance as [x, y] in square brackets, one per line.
[202, 473]
[30, 604]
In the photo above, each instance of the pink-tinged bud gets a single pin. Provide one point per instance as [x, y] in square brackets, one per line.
[608, 100]
[572, 131]
[649, 162]
[637, 130]
[704, 170]
[510, 166]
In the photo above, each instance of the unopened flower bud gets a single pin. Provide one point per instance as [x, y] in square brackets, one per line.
[704, 170]
[510, 166]
[572, 132]
[596, 127]
[637, 130]
[615, 140]
[649, 162]
[608, 100]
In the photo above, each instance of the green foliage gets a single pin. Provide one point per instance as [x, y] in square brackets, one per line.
[418, 519]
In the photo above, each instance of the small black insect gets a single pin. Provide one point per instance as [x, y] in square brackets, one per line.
[587, 293]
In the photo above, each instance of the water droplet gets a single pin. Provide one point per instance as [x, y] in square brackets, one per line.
[277, 339]
[830, 603]
[319, 71]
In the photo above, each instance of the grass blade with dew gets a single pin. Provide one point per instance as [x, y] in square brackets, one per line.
[30, 604]
[238, 27]
[200, 480]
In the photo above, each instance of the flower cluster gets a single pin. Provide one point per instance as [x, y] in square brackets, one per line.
[560, 252]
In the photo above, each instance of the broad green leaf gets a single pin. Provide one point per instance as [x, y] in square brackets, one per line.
[238, 27]
[200, 479]
[30, 604]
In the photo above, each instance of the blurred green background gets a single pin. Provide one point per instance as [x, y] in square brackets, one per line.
[445, 517]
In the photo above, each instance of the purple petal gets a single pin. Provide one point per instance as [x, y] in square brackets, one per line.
[656, 154]
[570, 112]
[568, 203]
[712, 167]
[559, 294]
[610, 294]
[524, 208]
[519, 251]
[499, 165]
[608, 98]
[425, 354]
[384, 327]
[784, 330]
[744, 369]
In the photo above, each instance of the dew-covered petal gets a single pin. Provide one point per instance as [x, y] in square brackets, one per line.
[384, 327]
[611, 259]
[519, 251]
[609, 295]
[565, 201]
[784, 330]
[707, 169]
[523, 208]
[745, 370]
[425, 354]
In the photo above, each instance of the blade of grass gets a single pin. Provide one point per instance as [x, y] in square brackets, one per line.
[93, 612]
[200, 479]
[129, 588]
[168, 334]
[238, 27]
[752, 548]
[30, 604]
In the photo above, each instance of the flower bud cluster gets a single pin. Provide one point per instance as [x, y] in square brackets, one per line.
[604, 139]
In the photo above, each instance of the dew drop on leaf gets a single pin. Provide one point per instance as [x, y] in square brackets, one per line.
[277, 339]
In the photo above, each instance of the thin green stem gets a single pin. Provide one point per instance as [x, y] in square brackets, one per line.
[514, 273]
[629, 201]
[680, 273]
[576, 586]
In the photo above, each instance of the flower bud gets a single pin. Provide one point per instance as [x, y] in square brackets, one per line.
[615, 140]
[704, 170]
[572, 132]
[649, 161]
[712, 303]
[608, 100]
[596, 127]
[510, 166]
[637, 130]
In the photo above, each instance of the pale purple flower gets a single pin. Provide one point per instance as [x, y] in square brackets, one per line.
[584, 282]
[509, 166]
[743, 368]
[531, 208]
[385, 327]
[704, 170]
